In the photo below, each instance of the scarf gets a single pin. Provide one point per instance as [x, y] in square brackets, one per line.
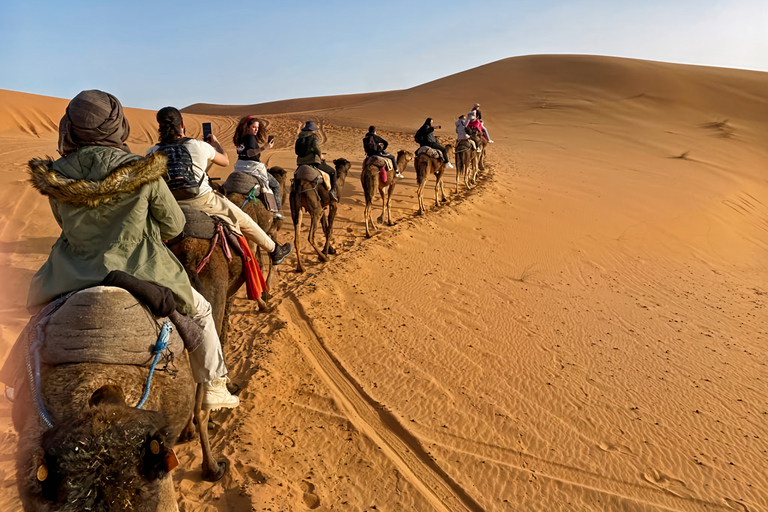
[93, 118]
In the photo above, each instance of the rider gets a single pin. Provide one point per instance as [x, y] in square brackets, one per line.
[308, 152]
[380, 146]
[115, 211]
[425, 136]
[250, 141]
[461, 132]
[477, 115]
[172, 130]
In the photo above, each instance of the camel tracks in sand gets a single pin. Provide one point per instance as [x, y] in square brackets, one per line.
[370, 418]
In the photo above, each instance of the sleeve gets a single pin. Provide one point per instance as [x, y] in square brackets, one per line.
[383, 143]
[316, 146]
[55, 210]
[251, 146]
[165, 210]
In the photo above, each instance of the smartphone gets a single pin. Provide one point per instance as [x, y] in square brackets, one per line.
[206, 130]
[270, 138]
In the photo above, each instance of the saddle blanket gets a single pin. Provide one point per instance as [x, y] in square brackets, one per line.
[378, 161]
[309, 173]
[431, 152]
[239, 183]
[199, 224]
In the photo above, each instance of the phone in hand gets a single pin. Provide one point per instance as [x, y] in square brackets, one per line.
[270, 138]
[206, 130]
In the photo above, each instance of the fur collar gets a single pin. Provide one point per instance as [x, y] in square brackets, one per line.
[123, 179]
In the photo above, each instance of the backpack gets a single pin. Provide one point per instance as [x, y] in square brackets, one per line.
[181, 176]
[303, 146]
[419, 137]
[370, 145]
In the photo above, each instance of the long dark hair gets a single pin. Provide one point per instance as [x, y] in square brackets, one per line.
[244, 124]
[169, 124]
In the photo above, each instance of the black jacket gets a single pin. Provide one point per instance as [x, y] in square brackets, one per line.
[426, 135]
[381, 142]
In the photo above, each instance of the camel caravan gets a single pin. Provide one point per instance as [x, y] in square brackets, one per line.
[122, 358]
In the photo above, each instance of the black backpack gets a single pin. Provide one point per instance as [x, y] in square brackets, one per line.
[370, 145]
[181, 176]
[419, 137]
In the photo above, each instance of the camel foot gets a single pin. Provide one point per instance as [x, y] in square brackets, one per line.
[233, 388]
[187, 435]
[217, 474]
[443, 200]
[323, 258]
[331, 250]
[380, 220]
[299, 270]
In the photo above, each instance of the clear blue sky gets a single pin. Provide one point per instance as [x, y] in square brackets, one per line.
[156, 53]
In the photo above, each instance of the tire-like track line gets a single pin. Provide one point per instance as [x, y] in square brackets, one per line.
[374, 421]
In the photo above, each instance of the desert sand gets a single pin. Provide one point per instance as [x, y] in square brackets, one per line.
[585, 330]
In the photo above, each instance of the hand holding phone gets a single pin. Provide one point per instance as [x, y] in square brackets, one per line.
[206, 130]
[271, 138]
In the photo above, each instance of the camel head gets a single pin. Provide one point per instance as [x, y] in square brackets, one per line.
[403, 157]
[110, 458]
[342, 166]
[449, 151]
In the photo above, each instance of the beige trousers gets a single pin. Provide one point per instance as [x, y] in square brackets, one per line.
[216, 204]
[207, 361]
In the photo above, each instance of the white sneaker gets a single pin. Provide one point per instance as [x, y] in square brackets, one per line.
[449, 165]
[217, 395]
[398, 175]
[490, 141]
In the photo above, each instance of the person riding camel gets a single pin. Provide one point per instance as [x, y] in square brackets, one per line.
[172, 131]
[308, 152]
[250, 141]
[373, 145]
[425, 136]
[115, 210]
[478, 116]
[461, 132]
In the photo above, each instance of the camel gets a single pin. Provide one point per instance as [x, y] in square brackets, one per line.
[370, 178]
[314, 198]
[468, 159]
[98, 451]
[426, 165]
[263, 217]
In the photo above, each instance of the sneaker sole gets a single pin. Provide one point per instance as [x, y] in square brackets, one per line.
[216, 407]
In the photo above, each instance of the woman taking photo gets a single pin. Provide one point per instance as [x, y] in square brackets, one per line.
[250, 140]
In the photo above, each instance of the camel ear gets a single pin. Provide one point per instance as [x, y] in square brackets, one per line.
[107, 395]
[158, 458]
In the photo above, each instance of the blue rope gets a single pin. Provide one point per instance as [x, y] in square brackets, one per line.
[162, 344]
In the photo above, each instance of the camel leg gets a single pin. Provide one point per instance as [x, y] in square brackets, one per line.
[440, 184]
[329, 249]
[316, 215]
[382, 193]
[368, 219]
[297, 240]
[212, 471]
[420, 193]
[188, 432]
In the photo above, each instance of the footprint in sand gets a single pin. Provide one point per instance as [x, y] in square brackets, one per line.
[311, 500]
[612, 448]
[667, 483]
[736, 505]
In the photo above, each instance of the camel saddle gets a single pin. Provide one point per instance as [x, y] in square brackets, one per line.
[240, 183]
[103, 324]
[309, 173]
[199, 224]
[431, 152]
[378, 161]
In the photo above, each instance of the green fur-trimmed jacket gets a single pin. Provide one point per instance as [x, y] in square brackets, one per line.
[114, 211]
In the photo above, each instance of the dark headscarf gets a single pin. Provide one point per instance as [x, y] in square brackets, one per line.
[93, 118]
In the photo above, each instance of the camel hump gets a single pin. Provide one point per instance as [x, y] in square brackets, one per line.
[104, 324]
[199, 224]
[430, 152]
[239, 183]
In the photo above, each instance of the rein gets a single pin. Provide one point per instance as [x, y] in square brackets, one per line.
[251, 197]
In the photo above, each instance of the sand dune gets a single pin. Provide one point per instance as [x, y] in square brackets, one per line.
[585, 330]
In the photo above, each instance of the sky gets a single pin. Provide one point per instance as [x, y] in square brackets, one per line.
[156, 53]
